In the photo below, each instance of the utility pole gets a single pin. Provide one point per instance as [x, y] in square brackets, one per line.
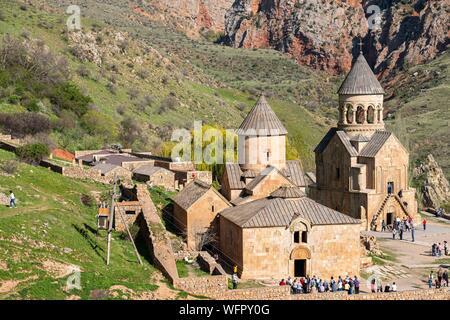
[111, 220]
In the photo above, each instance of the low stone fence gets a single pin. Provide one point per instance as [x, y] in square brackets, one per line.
[210, 286]
[263, 293]
[80, 173]
[52, 166]
[283, 293]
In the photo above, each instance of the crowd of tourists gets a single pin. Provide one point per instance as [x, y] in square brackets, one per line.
[438, 281]
[347, 284]
[439, 249]
[313, 284]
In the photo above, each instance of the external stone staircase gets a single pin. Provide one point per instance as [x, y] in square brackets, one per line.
[383, 205]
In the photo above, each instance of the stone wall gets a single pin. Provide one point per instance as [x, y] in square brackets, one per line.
[209, 264]
[212, 286]
[283, 293]
[80, 173]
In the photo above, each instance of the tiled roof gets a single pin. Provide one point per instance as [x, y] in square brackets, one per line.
[279, 212]
[252, 184]
[250, 174]
[346, 142]
[234, 173]
[288, 192]
[104, 168]
[262, 120]
[342, 136]
[90, 157]
[294, 172]
[148, 170]
[118, 159]
[360, 79]
[376, 142]
[193, 192]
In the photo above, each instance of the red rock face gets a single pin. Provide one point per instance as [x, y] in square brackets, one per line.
[324, 33]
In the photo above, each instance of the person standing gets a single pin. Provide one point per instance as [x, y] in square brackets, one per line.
[394, 287]
[445, 277]
[235, 269]
[424, 223]
[401, 231]
[439, 276]
[383, 226]
[373, 286]
[412, 232]
[356, 283]
[445, 248]
[430, 280]
[235, 280]
[394, 232]
[12, 199]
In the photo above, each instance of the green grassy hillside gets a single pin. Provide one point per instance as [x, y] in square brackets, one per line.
[164, 80]
[50, 230]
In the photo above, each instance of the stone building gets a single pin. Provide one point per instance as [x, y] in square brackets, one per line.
[362, 169]
[289, 234]
[155, 176]
[110, 171]
[262, 166]
[195, 210]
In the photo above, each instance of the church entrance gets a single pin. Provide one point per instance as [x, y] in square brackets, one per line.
[300, 268]
[389, 218]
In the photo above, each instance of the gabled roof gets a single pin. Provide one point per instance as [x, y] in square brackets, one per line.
[149, 170]
[360, 138]
[263, 175]
[104, 168]
[342, 136]
[360, 79]
[193, 192]
[90, 157]
[234, 173]
[288, 192]
[279, 212]
[262, 120]
[376, 142]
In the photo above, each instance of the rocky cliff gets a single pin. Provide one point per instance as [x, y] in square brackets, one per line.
[435, 189]
[194, 17]
[324, 33]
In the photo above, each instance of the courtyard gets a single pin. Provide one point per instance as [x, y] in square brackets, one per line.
[410, 262]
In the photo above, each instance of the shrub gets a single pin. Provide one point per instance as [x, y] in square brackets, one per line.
[68, 96]
[33, 106]
[14, 99]
[33, 153]
[87, 200]
[21, 124]
[9, 166]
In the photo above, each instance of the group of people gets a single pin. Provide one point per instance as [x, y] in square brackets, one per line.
[441, 280]
[314, 284]
[439, 249]
[400, 227]
[377, 286]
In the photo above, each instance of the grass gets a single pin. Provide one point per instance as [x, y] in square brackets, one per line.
[189, 270]
[442, 261]
[50, 224]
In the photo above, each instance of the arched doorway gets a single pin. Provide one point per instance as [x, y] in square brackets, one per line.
[300, 260]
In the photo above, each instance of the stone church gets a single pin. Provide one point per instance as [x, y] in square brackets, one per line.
[273, 229]
[362, 170]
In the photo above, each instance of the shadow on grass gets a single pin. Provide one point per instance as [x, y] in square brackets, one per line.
[91, 241]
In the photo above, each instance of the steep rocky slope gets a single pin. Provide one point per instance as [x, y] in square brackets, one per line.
[324, 33]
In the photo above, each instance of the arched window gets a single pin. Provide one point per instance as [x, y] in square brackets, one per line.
[360, 115]
[350, 114]
[371, 114]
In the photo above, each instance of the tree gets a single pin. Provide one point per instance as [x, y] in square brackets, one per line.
[33, 153]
